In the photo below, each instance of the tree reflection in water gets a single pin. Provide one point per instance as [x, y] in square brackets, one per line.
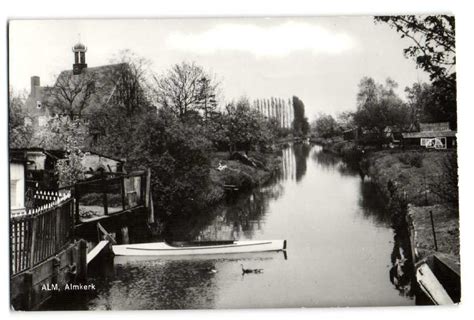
[237, 218]
[373, 204]
[301, 151]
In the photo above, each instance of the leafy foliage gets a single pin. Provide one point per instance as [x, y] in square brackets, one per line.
[434, 51]
[112, 125]
[432, 103]
[300, 122]
[178, 155]
[246, 128]
[20, 133]
[434, 48]
[68, 135]
[325, 126]
[378, 106]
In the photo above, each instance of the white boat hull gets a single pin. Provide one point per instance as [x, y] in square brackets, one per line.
[164, 249]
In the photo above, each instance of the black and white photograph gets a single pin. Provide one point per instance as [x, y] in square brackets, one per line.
[233, 162]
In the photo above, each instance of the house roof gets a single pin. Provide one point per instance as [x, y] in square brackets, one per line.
[428, 134]
[435, 126]
[57, 154]
[104, 78]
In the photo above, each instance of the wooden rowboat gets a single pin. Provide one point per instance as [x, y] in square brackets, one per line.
[198, 247]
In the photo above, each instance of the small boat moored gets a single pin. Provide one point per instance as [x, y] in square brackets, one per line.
[439, 280]
[198, 247]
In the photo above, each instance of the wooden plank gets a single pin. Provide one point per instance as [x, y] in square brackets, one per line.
[104, 196]
[431, 286]
[147, 188]
[96, 250]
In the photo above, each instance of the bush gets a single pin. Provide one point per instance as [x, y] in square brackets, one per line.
[411, 159]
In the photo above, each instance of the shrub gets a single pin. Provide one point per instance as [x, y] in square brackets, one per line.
[411, 159]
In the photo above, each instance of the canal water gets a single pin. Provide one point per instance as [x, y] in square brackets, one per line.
[341, 249]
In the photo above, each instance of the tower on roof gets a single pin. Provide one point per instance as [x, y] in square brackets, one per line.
[79, 58]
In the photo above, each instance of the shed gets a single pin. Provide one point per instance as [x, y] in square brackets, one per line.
[445, 139]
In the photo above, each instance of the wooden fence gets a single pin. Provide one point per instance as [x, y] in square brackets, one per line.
[38, 234]
[110, 194]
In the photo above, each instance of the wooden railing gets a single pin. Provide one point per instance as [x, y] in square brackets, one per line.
[40, 233]
[109, 194]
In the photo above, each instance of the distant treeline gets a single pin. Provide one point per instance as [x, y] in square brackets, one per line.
[379, 107]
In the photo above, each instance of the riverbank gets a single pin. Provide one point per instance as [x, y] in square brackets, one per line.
[420, 178]
[238, 172]
[424, 179]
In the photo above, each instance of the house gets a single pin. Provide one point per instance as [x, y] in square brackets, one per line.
[431, 136]
[40, 165]
[350, 134]
[77, 91]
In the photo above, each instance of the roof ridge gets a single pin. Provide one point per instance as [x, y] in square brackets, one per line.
[97, 67]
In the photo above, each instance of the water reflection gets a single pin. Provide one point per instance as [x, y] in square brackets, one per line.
[238, 218]
[373, 203]
[294, 161]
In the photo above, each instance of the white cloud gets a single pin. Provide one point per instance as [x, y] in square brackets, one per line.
[279, 40]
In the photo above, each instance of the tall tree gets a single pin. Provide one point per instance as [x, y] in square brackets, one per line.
[178, 155]
[247, 128]
[114, 120]
[70, 95]
[300, 122]
[325, 126]
[378, 106]
[434, 50]
[184, 89]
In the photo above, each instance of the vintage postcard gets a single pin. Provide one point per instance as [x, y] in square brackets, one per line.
[215, 163]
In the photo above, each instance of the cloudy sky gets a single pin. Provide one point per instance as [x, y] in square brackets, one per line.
[320, 60]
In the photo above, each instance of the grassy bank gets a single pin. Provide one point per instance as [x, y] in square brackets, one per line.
[422, 178]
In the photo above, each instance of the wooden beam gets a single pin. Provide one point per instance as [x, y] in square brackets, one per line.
[96, 250]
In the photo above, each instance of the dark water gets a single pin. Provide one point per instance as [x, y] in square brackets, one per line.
[340, 251]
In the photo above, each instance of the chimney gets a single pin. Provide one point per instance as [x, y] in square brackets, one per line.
[35, 83]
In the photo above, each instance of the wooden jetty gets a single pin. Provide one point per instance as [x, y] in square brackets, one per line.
[48, 244]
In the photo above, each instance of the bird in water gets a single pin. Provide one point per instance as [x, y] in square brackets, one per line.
[245, 271]
[208, 270]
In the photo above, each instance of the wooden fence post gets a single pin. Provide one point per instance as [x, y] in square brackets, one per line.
[104, 194]
[122, 192]
[28, 289]
[33, 241]
[82, 260]
[147, 188]
[76, 202]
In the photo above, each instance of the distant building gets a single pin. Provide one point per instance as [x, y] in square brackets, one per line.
[431, 136]
[103, 79]
[37, 114]
[351, 134]
[40, 164]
